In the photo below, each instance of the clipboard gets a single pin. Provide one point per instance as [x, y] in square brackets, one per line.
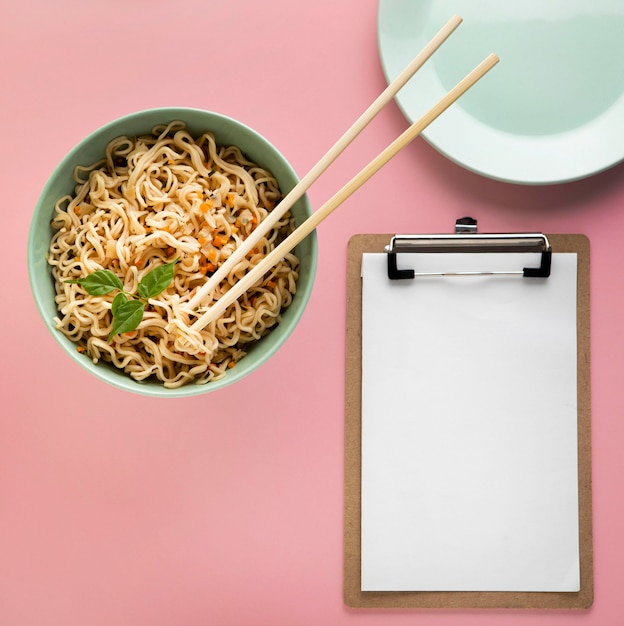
[353, 595]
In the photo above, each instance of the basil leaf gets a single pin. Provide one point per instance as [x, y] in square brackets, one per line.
[127, 317]
[119, 299]
[99, 283]
[156, 281]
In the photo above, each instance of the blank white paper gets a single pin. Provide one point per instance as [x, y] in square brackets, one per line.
[469, 427]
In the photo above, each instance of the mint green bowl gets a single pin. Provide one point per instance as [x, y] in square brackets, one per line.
[227, 132]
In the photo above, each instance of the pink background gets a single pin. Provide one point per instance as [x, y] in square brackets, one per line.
[228, 508]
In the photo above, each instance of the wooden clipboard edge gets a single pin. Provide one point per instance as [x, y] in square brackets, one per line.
[352, 594]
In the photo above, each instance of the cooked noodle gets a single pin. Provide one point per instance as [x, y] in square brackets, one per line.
[151, 200]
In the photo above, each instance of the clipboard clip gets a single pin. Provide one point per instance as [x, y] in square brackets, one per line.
[467, 239]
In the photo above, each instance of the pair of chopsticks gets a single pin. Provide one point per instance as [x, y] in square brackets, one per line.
[278, 253]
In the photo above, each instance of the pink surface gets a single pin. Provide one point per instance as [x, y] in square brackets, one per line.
[227, 509]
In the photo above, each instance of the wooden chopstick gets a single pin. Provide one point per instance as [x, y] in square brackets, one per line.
[337, 199]
[304, 184]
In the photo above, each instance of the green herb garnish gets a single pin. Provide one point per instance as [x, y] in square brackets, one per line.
[127, 308]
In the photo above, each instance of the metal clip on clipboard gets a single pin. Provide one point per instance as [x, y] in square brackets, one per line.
[466, 239]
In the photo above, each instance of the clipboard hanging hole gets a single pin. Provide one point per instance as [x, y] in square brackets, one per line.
[466, 225]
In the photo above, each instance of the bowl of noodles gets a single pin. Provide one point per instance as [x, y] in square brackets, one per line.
[135, 220]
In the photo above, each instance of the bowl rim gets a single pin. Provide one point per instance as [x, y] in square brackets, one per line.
[106, 372]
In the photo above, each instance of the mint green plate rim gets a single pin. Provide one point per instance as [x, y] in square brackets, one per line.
[227, 132]
[405, 26]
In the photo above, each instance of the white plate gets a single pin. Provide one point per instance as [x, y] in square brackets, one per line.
[551, 111]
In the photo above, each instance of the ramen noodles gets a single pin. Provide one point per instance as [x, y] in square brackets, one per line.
[152, 200]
